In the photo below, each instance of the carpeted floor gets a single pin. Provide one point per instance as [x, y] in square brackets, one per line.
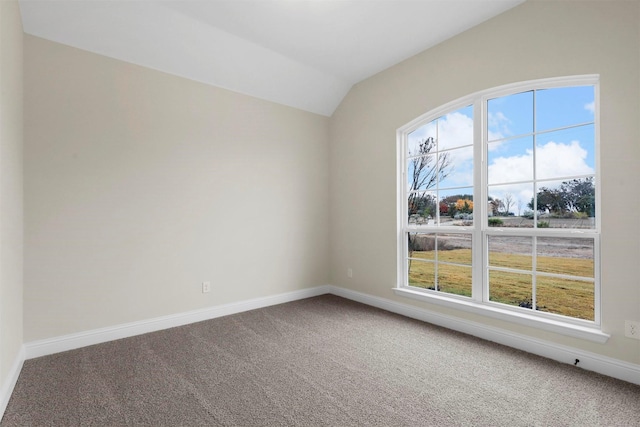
[322, 361]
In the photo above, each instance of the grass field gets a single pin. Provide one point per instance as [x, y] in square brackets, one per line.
[567, 297]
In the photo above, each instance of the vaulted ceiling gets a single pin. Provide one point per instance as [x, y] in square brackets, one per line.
[302, 53]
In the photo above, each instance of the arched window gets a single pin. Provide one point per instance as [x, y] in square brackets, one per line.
[499, 203]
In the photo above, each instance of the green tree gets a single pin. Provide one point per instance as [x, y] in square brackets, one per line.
[422, 204]
[576, 195]
[549, 199]
[580, 195]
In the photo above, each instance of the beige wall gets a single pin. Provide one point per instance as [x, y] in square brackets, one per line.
[140, 185]
[11, 138]
[532, 41]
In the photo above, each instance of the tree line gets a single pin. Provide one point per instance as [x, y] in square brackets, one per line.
[576, 195]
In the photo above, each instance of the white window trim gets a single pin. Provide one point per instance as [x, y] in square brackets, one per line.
[467, 305]
[478, 303]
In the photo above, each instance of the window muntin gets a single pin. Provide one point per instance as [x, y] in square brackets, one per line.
[440, 262]
[552, 274]
[439, 168]
[554, 154]
[561, 107]
[510, 160]
[539, 181]
[510, 116]
[439, 191]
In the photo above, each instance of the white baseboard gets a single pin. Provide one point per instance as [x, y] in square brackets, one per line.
[10, 382]
[97, 336]
[590, 361]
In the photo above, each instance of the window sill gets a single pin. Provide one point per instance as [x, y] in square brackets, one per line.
[589, 333]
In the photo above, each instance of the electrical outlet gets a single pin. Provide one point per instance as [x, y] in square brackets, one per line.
[206, 287]
[349, 272]
[632, 329]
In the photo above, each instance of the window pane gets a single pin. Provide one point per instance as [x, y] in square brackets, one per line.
[549, 203]
[511, 252]
[510, 115]
[566, 204]
[509, 205]
[422, 274]
[510, 161]
[422, 172]
[573, 298]
[456, 207]
[425, 133]
[456, 129]
[421, 246]
[568, 256]
[510, 288]
[454, 248]
[454, 279]
[457, 167]
[562, 107]
[567, 152]
[421, 208]
[581, 200]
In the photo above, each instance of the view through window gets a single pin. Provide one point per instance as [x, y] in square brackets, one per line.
[520, 229]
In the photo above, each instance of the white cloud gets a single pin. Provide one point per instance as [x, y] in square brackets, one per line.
[510, 169]
[553, 159]
[455, 130]
[590, 107]
[557, 159]
[498, 125]
[451, 130]
[419, 135]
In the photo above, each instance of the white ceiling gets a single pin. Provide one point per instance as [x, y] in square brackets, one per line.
[302, 53]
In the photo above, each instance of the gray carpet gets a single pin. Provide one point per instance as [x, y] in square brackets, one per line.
[322, 361]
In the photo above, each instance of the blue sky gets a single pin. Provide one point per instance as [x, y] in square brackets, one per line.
[559, 153]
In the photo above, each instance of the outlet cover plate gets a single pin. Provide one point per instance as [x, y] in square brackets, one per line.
[632, 329]
[206, 287]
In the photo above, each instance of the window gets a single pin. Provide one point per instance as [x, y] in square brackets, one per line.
[440, 181]
[498, 203]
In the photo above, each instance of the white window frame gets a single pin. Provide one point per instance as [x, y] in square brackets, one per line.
[479, 302]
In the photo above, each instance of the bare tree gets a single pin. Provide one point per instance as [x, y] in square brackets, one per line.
[508, 202]
[426, 169]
